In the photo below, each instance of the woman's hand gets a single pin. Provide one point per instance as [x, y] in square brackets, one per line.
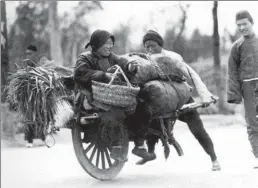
[108, 75]
[133, 66]
[112, 69]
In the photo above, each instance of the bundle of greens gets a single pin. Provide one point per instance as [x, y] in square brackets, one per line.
[34, 92]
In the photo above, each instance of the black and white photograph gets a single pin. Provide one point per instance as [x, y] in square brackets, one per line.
[142, 94]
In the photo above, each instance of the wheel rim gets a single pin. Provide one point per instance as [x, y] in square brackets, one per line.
[98, 153]
[94, 156]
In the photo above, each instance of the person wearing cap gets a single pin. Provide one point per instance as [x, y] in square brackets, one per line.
[97, 65]
[242, 81]
[153, 44]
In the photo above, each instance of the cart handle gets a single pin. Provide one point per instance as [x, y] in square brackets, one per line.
[195, 105]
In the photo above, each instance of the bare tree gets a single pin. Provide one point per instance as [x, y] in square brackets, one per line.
[4, 50]
[55, 35]
[174, 37]
[216, 58]
[216, 38]
[76, 31]
[183, 19]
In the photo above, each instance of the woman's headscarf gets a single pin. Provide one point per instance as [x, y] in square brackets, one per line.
[98, 38]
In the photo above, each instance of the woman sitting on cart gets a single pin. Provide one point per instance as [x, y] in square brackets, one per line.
[97, 65]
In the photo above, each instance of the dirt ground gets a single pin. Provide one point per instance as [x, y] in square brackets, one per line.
[56, 167]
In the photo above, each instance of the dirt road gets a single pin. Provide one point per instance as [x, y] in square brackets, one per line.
[57, 167]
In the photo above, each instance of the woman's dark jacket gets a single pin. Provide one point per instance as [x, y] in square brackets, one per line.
[90, 66]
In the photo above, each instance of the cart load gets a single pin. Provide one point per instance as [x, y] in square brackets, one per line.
[155, 68]
[165, 97]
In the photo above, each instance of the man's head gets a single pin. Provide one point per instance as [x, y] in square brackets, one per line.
[31, 53]
[102, 42]
[152, 42]
[244, 23]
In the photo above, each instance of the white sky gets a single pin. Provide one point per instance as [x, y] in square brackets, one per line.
[138, 12]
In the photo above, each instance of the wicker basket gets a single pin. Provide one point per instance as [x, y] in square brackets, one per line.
[115, 95]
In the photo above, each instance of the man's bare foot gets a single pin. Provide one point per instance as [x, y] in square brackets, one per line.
[216, 166]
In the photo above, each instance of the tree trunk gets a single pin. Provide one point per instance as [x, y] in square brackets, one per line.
[67, 53]
[216, 59]
[4, 51]
[182, 23]
[74, 52]
[55, 35]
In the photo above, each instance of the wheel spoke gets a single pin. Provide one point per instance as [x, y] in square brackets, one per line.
[109, 149]
[93, 153]
[97, 159]
[103, 159]
[88, 148]
[82, 136]
[108, 157]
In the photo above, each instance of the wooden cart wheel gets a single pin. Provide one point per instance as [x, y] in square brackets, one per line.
[94, 156]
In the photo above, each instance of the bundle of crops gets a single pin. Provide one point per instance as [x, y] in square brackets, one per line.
[35, 91]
